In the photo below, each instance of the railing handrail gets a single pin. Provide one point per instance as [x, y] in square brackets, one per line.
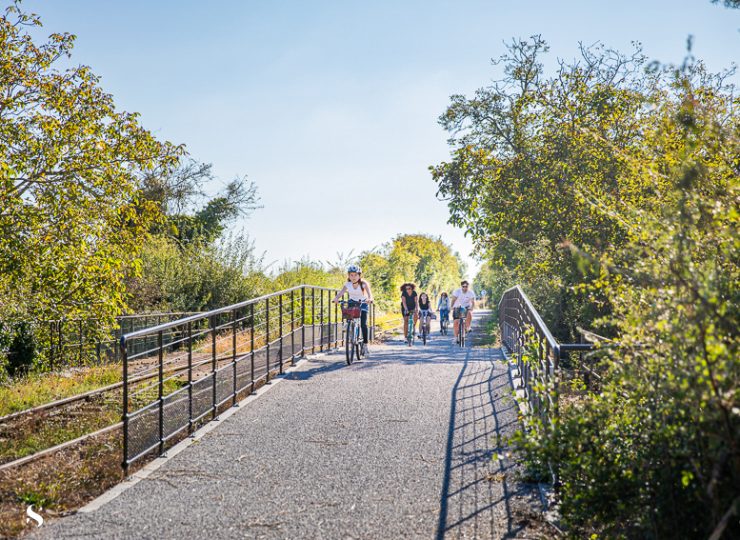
[214, 312]
[535, 315]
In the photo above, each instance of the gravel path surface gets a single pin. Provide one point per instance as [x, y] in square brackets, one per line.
[400, 445]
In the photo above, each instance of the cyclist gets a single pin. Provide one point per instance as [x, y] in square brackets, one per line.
[409, 304]
[464, 297]
[443, 306]
[359, 294]
[426, 305]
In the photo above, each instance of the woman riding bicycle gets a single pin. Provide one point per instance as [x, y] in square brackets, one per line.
[359, 294]
[409, 304]
[443, 306]
[425, 309]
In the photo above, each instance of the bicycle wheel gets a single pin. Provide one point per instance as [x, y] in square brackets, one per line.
[424, 334]
[348, 345]
[462, 333]
[410, 332]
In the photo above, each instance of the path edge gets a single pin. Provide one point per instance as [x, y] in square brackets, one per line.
[157, 462]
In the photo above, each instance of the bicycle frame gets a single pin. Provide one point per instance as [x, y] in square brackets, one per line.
[461, 325]
[352, 329]
[424, 318]
[410, 328]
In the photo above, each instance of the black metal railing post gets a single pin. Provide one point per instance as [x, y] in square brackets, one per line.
[336, 323]
[124, 419]
[321, 320]
[313, 320]
[303, 322]
[280, 323]
[267, 338]
[235, 315]
[212, 322]
[292, 327]
[160, 392]
[190, 377]
[251, 349]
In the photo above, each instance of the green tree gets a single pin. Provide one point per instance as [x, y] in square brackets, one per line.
[610, 190]
[72, 220]
[197, 276]
[531, 152]
[418, 258]
[180, 197]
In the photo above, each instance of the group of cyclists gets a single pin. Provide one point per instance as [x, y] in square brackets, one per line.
[461, 303]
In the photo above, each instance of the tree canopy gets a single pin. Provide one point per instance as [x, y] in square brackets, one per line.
[609, 190]
[72, 218]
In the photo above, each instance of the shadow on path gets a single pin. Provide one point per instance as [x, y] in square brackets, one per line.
[477, 487]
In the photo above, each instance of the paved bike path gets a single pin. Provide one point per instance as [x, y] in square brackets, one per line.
[396, 446]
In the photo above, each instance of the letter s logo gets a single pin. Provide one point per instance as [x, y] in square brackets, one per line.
[34, 516]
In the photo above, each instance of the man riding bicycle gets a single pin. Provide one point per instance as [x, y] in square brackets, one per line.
[463, 304]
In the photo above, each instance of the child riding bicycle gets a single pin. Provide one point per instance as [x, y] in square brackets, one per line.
[425, 310]
[443, 306]
[360, 295]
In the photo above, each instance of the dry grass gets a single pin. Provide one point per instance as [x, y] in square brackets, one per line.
[59, 483]
[34, 390]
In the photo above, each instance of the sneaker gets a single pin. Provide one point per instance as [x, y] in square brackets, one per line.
[364, 349]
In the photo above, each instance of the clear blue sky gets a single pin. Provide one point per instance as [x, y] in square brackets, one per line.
[331, 107]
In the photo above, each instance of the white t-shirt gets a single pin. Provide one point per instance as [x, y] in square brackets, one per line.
[355, 294]
[463, 299]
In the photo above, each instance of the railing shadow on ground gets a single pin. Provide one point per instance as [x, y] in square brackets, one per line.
[324, 366]
[477, 489]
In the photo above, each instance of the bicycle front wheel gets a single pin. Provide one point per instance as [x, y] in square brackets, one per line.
[348, 342]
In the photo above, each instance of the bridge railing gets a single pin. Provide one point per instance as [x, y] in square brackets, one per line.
[207, 362]
[526, 336]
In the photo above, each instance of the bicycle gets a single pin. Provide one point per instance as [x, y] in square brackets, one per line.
[424, 318]
[443, 323]
[410, 328]
[352, 328]
[461, 313]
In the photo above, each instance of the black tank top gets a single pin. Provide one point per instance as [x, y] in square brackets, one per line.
[424, 305]
[410, 300]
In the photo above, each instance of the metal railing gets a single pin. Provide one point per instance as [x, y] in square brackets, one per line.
[537, 352]
[80, 342]
[204, 363]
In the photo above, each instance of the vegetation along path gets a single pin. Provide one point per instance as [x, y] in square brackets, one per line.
[403, 444]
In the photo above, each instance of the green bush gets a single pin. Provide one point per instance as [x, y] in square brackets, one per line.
[18, 347]
[653, 450]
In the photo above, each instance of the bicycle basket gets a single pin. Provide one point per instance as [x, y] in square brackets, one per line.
[351, 312]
